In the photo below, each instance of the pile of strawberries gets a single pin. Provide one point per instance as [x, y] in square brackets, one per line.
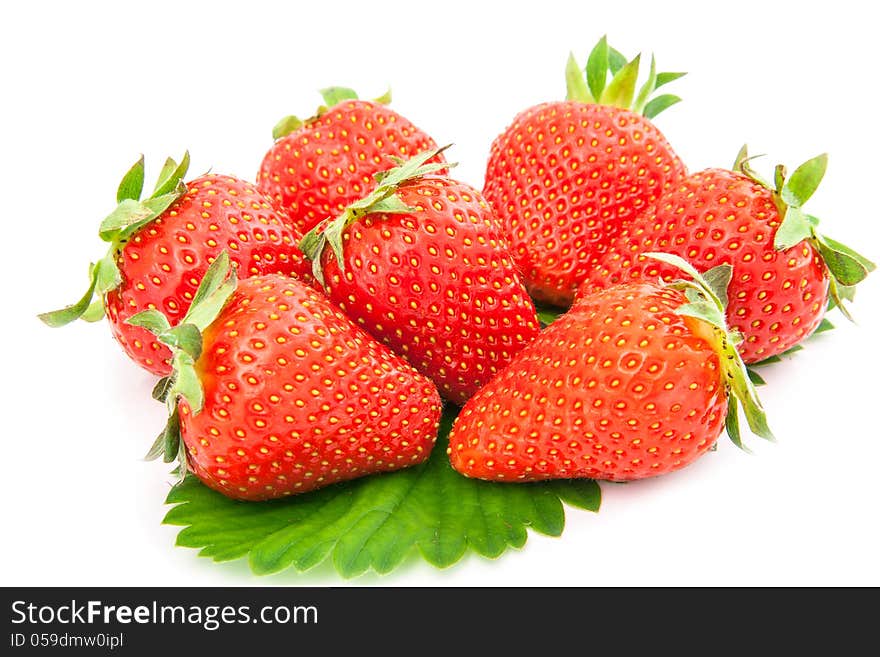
[309, 328]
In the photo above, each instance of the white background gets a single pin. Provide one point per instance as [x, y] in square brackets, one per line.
[86, 87]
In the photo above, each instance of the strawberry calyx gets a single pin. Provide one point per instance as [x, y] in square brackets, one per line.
[382, 199]
[846, 267]
[707, 301]
[185, 342]
[591, 84]
[130, 215]
[332, 96]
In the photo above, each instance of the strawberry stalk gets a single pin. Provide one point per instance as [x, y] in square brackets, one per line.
[130, 215]
[331, 96]
[707, 303]
[185, 342]
[591, 84]
[383, 199]
[846, 267]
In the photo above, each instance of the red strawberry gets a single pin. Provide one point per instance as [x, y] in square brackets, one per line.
[318, 166]
[276, 392]
[564, 177]
[422, 266]
[632, 382]
[782, 266]
[160, 248]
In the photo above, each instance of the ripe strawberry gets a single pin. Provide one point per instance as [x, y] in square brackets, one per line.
[318, 166]
[565, 176]
[275, 392]
[782, 266]
[422, 266]
[160, 248]
[632, 382]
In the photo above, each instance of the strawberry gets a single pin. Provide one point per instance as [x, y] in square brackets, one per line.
[318, 166]
[422, 266]
[784, 269]
[161, 246]
[565, 176]
[633, 381]
[274, 391]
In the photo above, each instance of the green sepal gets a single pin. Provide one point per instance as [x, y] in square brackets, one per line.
[335, 95]
[592, 86]
[797, 189]
[217, 285]
[186, 382]
[548, 314]
[616, 60]
[597, 68]
[731, 424]
[95, 311]
[172, 441]
[575, 84]
[846, 267]
[647, 88]
[705, 304]
[667, 77]
[185, 339]
[824, 325]
[743, 164]
[384, 99]
[132, 184]
[167, 443]
[755, 378]
[659, 104]
[128, 212]
[129, 216]
[622, 88]
[68, 314]
[286, 125]
[152, 320]
[169, 181]
[795, 228]
[160, 390]
[382, 199]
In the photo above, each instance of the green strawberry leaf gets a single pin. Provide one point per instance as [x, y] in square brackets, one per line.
[376, 522]
[824, 325]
